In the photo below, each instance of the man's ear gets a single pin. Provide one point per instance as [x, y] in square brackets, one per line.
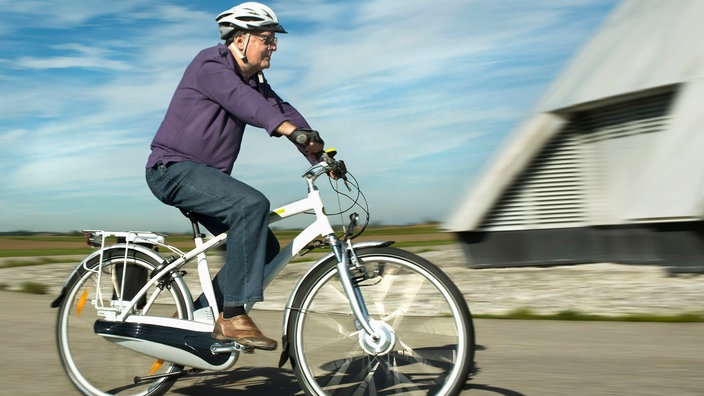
[239, 42]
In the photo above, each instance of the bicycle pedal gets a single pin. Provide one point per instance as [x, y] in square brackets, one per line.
[229, 347]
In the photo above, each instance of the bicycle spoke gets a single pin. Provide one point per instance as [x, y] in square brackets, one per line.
[434, 357]
[368, 384]
[337, 372]
[396, 377]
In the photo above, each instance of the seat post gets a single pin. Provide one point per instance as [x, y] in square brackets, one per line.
[195, 227]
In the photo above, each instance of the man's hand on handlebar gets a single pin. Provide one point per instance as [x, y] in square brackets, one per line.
[308, 139]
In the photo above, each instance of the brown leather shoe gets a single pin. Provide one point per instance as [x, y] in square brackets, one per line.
[242, 329]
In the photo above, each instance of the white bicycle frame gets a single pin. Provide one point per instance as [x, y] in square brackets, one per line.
[320, 227]
[188, 343]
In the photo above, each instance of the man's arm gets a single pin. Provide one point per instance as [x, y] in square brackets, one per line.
[286, 128]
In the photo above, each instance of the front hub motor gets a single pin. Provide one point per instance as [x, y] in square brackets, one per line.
[381, 345]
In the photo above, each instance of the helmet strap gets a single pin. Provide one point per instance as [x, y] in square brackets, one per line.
[243, 57]
[242, 53]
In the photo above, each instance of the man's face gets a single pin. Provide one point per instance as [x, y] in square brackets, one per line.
[261, 46]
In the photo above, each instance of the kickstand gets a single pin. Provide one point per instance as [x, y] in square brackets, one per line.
[180, 373]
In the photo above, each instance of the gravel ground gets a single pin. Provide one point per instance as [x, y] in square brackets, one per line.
[600, 289]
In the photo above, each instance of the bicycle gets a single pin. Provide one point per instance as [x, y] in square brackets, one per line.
[366, 318]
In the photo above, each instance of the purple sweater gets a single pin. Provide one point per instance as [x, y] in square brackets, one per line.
[210, 109]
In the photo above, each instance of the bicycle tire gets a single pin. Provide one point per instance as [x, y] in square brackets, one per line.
[94, 365]
[407, 296]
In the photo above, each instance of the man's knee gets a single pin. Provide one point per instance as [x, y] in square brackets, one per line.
[256, 206]
[259, 204]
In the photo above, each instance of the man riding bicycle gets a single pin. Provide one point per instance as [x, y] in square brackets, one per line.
[197, 143]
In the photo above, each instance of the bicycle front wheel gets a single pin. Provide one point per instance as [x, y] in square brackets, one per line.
[95, 365]
[427, 342]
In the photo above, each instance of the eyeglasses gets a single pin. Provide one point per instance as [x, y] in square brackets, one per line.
[268, 40]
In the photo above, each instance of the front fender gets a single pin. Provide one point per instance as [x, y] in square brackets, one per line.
[145, 251]
[296, 289]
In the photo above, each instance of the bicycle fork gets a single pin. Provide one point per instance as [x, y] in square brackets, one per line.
[354, 295]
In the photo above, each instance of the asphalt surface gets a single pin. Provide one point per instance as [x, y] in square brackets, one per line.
[514, 358]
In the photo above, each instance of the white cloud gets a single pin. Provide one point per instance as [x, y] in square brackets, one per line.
[65, 62]
[85, 57]
[393, 85]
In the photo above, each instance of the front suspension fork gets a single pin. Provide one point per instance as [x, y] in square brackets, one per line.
[354, 295]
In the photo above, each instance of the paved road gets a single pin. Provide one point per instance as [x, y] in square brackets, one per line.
[516, 358]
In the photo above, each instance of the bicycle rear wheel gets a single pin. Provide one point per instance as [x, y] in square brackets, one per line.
[427, 345]
[95, 365]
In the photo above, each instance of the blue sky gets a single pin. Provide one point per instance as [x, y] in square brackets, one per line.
[416, 96]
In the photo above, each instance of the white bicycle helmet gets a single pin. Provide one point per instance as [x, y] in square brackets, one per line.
[248, 16]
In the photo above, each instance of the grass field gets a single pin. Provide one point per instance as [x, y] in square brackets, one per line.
[75, 244]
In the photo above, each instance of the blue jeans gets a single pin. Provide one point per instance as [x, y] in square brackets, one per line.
[223, 204]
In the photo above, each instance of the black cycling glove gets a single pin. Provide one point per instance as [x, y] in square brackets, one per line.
[303, 137]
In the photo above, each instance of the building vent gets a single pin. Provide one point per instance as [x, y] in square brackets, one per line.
[584, 174]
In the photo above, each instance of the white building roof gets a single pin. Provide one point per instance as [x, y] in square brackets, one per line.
[644, 45]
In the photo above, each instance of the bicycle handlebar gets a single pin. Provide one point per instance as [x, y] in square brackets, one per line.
[328, 164]
[328, 156]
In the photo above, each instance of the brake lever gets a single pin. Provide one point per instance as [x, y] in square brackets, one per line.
[341, 173]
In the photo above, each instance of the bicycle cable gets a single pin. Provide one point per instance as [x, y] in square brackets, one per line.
[360, 201]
